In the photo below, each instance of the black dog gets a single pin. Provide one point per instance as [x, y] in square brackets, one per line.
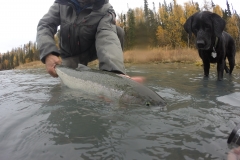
[213, 44]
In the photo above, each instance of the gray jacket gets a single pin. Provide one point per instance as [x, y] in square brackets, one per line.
[86, 30]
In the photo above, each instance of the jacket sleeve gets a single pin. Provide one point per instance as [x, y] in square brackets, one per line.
[108, 46]
[46, 29]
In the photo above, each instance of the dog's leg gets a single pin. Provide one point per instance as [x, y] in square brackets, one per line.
[231, 53]
[231, 61]
[220, 69]
[226, 68]
[206, 68]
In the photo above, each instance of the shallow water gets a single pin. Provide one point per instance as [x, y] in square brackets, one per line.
[40, 119]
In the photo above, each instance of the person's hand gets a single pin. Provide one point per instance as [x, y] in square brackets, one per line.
[50, 62]
[234, 154]
[138, 79]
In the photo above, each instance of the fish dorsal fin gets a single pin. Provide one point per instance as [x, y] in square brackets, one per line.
[82, 67]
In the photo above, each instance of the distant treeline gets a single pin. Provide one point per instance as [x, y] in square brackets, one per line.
[162, 26]
[25, 54]
[145, 28]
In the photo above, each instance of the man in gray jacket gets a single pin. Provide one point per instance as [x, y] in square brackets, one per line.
[88, 31]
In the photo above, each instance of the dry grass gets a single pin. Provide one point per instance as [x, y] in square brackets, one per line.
[39, 64]
[238, 60]
[157, 55]
[161, 55]
[30, 65]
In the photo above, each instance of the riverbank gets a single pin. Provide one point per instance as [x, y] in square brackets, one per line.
[31, 65]
[161, 55]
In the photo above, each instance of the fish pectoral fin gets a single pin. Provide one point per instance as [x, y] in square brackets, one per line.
[82, 67]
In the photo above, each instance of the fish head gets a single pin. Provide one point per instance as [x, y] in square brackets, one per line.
[141, 96]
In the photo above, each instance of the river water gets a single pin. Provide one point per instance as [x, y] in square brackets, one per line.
[42, 120]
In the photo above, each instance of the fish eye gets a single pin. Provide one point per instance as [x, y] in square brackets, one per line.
[148, 104]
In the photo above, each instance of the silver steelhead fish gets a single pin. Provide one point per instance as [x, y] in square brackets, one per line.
[113, 86]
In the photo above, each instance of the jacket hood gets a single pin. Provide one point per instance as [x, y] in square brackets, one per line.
[96, 4]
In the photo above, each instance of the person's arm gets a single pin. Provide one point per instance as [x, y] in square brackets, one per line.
[108, 46]
[46, 29]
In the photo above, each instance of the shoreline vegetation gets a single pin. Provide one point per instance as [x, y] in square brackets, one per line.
[156, 55]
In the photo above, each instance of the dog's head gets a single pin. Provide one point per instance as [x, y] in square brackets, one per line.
[206, 26]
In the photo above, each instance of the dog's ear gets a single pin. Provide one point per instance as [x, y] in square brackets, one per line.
[188, 26]
[218, 24]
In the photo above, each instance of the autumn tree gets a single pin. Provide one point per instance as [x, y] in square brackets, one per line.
[161, 36]
[172, 25]
[233, 29]
[189, 9]
[15, 61]
[218, 10]
[139, 15]
[162, 28]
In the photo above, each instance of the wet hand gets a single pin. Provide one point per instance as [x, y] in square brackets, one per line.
[234, 154]
[138, 79]
[50, 62]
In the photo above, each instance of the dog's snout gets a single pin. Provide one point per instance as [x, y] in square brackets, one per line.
[200, 44]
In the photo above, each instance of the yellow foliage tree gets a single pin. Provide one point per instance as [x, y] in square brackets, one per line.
[27, 60]
[218, 10]
[190, 9]
[163, 15]
[232, 28]
[15, 63]
[6, 63]
[139, 15]
[163, 39]
[172, 26]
